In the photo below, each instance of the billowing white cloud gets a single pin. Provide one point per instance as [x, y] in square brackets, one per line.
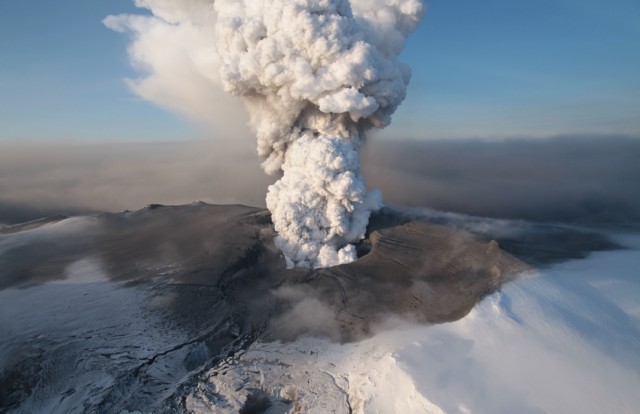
[314, 75]
[174, 51]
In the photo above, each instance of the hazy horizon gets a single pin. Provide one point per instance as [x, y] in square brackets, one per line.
[588, 178]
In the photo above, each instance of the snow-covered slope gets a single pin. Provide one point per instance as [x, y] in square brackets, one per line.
[159, 311]
[563, 340]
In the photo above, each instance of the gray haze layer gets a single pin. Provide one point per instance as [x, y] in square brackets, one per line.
[580, 178]
[571, 178]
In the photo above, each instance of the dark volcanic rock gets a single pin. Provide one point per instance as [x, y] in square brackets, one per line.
[423, 271]
[417, 269]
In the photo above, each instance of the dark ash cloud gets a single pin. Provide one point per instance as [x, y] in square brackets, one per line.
[568, 178]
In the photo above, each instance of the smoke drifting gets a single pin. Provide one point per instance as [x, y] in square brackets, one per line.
[174, 52]
[314, 76]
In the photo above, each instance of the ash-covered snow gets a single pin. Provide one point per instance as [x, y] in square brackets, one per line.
[156, 311]
[562, 340]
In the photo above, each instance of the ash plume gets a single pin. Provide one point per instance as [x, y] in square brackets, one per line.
[314, 75]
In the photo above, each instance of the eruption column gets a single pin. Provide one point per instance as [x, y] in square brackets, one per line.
[315, 75]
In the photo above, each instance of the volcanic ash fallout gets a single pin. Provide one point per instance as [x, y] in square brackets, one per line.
[315, 76]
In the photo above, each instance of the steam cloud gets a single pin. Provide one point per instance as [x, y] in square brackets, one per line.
[315, 75]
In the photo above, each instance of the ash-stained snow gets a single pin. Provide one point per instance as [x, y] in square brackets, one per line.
[561, 340]
[183, 309]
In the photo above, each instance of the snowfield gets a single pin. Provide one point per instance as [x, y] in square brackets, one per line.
[78, 335]
[563, 340]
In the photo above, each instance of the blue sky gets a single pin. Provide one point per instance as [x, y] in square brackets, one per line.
[489, 69]
[526, 67]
